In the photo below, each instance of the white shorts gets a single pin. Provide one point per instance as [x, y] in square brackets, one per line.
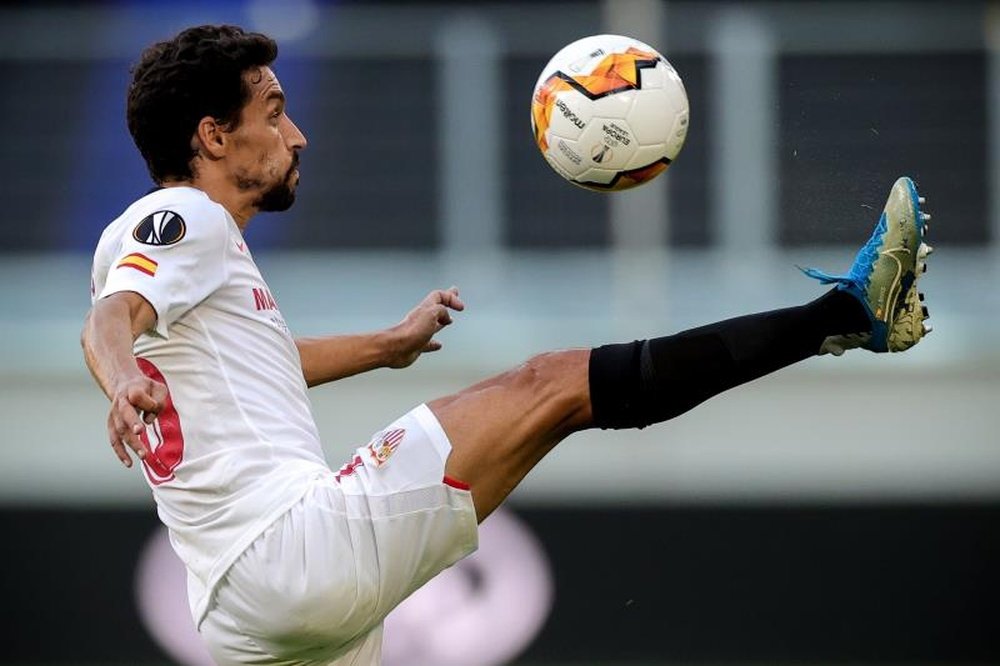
[313, 589]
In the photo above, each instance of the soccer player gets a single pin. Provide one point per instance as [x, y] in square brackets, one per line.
[289, 561]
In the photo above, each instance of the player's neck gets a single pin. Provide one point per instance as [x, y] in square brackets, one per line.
[238, 203]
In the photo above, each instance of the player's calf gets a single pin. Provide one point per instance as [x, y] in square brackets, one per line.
[644, 382]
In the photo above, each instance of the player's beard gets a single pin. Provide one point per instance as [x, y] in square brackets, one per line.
[280, 196]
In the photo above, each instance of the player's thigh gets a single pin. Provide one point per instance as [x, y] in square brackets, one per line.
[502, 427]
[359, 542]
[228, 643]
[415, 519]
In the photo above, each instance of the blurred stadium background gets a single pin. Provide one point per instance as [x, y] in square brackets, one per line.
[844, 511]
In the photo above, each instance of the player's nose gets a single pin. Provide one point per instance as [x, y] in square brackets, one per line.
[295, 138]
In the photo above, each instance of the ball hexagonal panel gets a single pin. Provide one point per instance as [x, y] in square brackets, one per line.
[652, 116]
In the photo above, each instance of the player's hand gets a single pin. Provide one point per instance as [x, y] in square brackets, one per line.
[415, 334]
[135, 403]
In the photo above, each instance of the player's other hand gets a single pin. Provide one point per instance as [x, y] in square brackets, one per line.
[415, 334]
[135, 403]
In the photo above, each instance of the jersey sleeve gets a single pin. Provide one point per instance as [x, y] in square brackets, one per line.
[174, 258]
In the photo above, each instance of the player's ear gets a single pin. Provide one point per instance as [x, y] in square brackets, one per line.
[209, 138]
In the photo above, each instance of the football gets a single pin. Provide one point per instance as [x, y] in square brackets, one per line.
[609, 113]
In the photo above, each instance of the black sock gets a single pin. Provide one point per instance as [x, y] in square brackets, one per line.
[636, 384]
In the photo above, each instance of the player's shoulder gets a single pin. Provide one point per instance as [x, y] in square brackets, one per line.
[169, 215]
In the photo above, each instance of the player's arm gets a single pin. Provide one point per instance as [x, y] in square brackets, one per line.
[109, 331]
[334, 357]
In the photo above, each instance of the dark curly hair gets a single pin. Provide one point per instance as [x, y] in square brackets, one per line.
[178, 82]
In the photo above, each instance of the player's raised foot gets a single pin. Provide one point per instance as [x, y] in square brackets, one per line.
[884, 277]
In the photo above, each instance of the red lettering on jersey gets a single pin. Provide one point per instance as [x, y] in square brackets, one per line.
[262, 299]
[166, 452]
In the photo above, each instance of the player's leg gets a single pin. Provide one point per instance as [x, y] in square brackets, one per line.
[500, 428]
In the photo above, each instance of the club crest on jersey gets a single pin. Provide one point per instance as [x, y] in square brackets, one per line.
[164, 227]
[384, 446]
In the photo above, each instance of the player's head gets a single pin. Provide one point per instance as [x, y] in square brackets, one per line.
[207, 100]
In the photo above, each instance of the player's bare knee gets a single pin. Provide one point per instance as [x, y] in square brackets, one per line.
[557, 379]
[538, 373]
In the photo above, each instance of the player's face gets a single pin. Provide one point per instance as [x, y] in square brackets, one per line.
[266, 144]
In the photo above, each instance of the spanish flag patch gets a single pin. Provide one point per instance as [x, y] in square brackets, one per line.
[139, 262]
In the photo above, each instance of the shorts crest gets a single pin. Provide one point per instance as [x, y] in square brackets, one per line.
[383, 447]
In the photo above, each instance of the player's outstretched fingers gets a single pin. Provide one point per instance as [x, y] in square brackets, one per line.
[117, 445]
[129, 425]
[443, 316]
[125, 427]
[449, 297]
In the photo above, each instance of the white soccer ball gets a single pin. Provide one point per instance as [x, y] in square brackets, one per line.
[609, 112]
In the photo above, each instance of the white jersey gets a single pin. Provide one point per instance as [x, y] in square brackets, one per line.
[236, 442]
